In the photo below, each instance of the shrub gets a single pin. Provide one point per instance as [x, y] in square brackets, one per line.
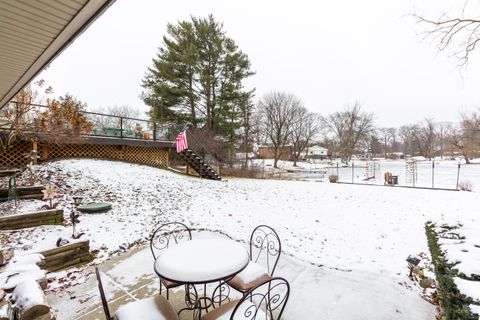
[248, 172]
[333, 178]
[453, 304]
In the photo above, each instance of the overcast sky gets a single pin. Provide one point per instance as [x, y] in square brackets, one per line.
[328, 53]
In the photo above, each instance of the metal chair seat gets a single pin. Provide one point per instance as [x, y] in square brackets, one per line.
[153, 308]
[170, 284]
[250, 277]
[264, 302]
[265, 250]
[224, 312]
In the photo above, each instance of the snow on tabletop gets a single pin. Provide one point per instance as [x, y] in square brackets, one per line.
[28, 294]
[201, 260]
[252, 272]
[468, 288]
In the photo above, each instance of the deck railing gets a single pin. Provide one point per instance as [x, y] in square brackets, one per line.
[111, 126]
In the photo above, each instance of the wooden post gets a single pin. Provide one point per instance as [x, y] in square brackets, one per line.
[34, 151]
[458, 175]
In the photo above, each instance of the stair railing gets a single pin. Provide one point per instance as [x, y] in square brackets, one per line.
[202, 151]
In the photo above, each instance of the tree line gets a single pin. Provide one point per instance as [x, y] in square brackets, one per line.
[198, 78]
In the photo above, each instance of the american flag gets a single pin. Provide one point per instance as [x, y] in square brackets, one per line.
[181, 141]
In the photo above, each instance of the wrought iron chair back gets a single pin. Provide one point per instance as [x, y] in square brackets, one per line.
[102, 295]
[167, 233]
[265, 242]
[264, 302]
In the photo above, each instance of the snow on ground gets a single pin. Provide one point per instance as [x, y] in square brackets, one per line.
[22, 207]
[352, 229]
[461, 245]
[445, 171]
[316, 293]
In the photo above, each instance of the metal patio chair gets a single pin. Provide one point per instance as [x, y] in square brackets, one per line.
[266, 301]
[153, 308]
[162, 237]
[265, 250]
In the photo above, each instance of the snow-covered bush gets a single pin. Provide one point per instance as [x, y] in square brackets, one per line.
[465, 186]
[454, 305]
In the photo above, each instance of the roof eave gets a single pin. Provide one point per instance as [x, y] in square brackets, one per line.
[82, 20]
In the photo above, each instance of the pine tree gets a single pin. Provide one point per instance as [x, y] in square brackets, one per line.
[197, 77]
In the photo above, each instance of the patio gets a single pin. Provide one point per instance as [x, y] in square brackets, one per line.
[315, 292]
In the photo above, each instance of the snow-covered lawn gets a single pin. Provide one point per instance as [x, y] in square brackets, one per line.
[445, 171]
[353, 230]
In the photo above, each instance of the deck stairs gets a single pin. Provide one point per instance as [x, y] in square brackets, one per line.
[198, 164]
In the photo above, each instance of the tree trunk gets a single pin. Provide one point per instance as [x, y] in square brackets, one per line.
[30, 301]
[467, 161]
[276, 156]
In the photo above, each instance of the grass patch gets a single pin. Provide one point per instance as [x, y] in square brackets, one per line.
[453, 304]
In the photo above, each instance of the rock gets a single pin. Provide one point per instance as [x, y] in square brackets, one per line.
[427, 283]
[29, 301]
[418, 271]
[2, 294]
[5, 255]
[6, 310]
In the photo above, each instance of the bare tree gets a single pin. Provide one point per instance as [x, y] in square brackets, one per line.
[456, 31]
[405, 133]
[258, 133]
[21, 116]
[388, 135]
[466, 137]
[304, 128]
[124, 111]
[350, 127]
[278, 113]
[443, 130]
[428, 137]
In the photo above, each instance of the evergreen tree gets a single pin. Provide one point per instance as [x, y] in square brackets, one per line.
[197, 76]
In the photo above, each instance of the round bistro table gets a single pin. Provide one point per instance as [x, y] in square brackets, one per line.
[200, 262]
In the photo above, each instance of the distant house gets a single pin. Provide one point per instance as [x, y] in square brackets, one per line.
[316, 152]
[267, 152]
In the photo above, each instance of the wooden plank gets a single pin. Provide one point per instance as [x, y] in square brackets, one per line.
[32, 215]
[70, 246]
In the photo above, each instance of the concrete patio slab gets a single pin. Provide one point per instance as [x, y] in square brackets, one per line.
[316, 292]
